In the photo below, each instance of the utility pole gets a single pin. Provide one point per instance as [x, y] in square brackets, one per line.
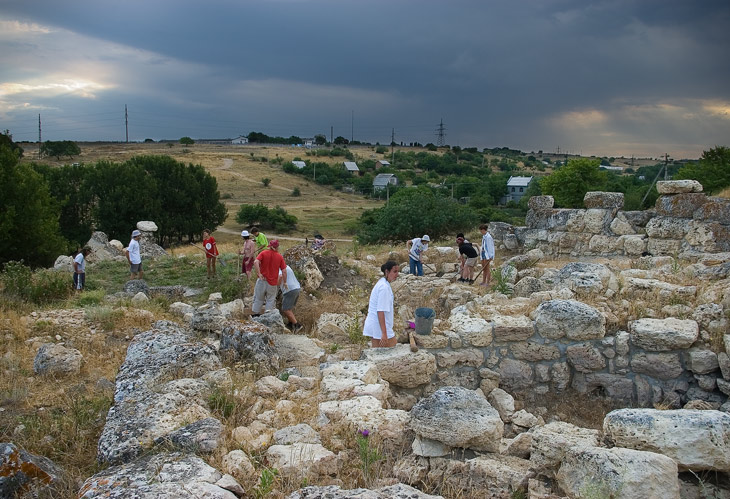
[332, 131]
[352, 127]
[40, 142]
[126, 123]
[666, 163]
[387, 193]
[392, 146]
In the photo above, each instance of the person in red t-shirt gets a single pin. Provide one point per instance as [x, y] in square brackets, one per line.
[267, 266]
[211, 252]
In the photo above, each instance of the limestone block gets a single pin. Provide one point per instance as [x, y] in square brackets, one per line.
[678, 186]
[661, 335]
[467, 356]
[503, 402]
[663, 246]
[619, 473]
[723, 361]
[367, 413]
[571, 319]
[475, 330]
[680, 205]
[696, 440]
[635, 245]
[534, 352]
[302, 433]
[711, 237]
[332, 326]
[458, 417]
[297, 350]
[714, 210]
[585, 357]
[500, 475]
[551, 441]
[434, 340]
[147, 226]
[54, 359]
[524, 419]
[667, 228]
[429, 448]
[615, 386]
[606, 245]
[597, 221]
[560, 374]
[541, 203]
[576, 221]
[621, 226]
[180, 309]
[702, 361]
[346, 379]
[657, 365]
[512, 328]
[302, 458]
[515, 374]
[606, 200]
[518, 446]
[401, 367]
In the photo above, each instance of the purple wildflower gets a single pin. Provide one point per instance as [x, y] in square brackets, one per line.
[364, 433]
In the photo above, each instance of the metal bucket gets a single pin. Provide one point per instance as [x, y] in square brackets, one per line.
[424, 320]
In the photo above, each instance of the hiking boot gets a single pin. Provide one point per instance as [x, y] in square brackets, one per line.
[296, 327]
[255, 315]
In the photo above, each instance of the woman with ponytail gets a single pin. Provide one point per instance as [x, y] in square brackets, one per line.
[379, 321]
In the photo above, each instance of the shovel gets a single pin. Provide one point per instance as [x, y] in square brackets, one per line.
[208, 254]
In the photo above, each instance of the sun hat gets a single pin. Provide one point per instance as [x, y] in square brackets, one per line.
[425, 238]
[244, 233]
[136, 233]
[274, 243]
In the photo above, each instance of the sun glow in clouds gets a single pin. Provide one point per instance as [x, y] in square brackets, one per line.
[81, 88]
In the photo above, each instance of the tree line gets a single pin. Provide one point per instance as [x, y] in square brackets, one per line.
[46, 211]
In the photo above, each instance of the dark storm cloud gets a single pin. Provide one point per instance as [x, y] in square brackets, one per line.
[606, 77]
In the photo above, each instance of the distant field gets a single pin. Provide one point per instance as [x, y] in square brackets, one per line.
[239, 170]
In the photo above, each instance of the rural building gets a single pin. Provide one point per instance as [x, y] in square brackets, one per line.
[382, 164]
[382, 180]
[618, 169]
[351, 167]
[516, 187]
[241, 139]
[299, 164]
[308, 142]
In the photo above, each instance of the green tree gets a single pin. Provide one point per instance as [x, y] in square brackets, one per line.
[712, 170]
[28, 215]
[320, 139]
[569, 184]
[7, 139]
[60, 148]
[187, 141]
[340, 140]
[258, 214]
[414, 211]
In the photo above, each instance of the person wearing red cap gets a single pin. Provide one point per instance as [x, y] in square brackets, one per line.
[267, 266]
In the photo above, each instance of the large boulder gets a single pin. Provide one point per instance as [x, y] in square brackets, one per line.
[54, 359]
[551, 441]
[248, 341]
[175, 475]
[620, 473]
[570, 319]
[297, 350]
[606, 200]
[22, 472]
[458, 417]
[662, 335]
[696, 440]
[345, 379]
[678, 186]
[401, 367]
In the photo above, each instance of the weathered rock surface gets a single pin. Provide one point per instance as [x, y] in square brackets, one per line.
[250, 341]
[696, 440]
[570, 319]
[302, 459]
[146, 405]
[172, 476]
[617, 472]
[54, 359]
[397, 491]
[551, 442]
[401, 367]
[21, 471]
[458, 417]
[661, 335]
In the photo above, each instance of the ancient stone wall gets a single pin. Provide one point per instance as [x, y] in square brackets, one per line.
[684, 220]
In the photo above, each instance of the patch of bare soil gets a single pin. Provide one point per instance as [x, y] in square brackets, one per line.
[337, 277]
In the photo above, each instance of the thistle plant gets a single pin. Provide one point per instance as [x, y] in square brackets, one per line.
[368, 455]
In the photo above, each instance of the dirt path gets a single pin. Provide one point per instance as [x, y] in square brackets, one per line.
[228, 163]
[274, 236]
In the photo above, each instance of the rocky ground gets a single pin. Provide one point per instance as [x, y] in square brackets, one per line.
[590, 378]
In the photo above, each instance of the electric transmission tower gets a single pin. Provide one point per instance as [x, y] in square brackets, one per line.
[440, 133]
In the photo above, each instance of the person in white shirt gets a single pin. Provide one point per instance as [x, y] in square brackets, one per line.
[379, 321]
[133, 256]
[80, 269]
[415, 247]
[289, 297]
[486, 253]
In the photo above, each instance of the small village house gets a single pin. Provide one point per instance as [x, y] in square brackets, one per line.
[241, 139]
[382, 180]
[351, 167]
[299, 164]
[516, 188]
[383, 163]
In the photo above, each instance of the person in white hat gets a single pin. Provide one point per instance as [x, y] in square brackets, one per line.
[133, 256]
[248, 253]
[415, 247]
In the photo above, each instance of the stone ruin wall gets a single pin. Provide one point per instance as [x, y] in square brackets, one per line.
[684, 221]
[566, 344]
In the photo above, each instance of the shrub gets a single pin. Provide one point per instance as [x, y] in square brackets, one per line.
[41, 286]
[296, 192]
[266, 181]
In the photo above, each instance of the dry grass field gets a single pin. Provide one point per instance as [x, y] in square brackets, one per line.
[239, 171]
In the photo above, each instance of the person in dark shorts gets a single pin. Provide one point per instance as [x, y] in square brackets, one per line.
[468, 259]
[289, 297]
[80, 268]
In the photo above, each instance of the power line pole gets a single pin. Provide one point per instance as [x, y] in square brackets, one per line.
[666, 163]
[40, 142]
[441, 133]
[352, 127]
[332, 131]
[392, 146]
[126, 123]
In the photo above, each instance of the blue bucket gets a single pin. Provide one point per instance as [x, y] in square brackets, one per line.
[424, 320]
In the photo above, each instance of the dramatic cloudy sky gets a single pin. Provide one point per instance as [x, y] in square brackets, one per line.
[614, 77]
